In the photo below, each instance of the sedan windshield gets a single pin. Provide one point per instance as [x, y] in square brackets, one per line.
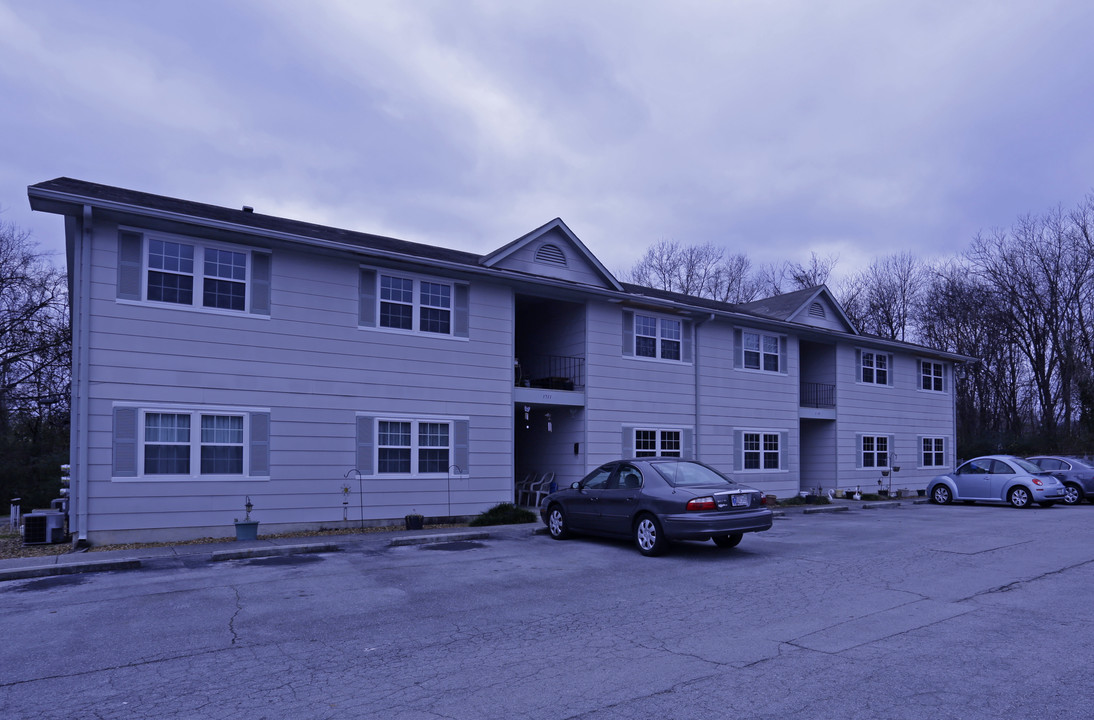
[682, 474]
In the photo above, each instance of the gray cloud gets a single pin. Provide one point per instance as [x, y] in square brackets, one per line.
[775, 128]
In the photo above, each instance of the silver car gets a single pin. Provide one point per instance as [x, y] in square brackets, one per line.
[1076, 475]
[998, 478]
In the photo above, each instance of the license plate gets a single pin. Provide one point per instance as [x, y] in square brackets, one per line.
[740, 501]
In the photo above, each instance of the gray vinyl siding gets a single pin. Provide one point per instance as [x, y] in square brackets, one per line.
[310, 365]
[577, 268]
[627, 391]
[900, 410]
[735, 399]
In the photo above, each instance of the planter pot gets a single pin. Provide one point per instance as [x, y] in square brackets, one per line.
[414, 522]
[246, 529]
[922, 492]
[883, 493]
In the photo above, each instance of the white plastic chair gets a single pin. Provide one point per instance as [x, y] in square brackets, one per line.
[524, 488]
[543, 488]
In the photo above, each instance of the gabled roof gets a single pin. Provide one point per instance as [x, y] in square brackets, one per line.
[61, 191]
[554, 230]
[798, 305]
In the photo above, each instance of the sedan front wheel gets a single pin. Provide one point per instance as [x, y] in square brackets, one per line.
[556, 523]
[648, 536]
[1019, 497]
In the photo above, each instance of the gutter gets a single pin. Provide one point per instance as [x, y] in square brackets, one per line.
[80, 371]
[698, 395]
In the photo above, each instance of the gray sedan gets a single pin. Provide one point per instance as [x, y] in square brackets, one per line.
[997, 478]
[1076, 475]
[655, 501]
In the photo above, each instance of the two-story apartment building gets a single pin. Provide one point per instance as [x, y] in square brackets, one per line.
[336, 377]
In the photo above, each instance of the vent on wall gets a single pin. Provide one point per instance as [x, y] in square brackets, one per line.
[550, 254]
[817, 310]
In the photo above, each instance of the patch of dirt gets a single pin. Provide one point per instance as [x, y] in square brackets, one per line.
[11, 543]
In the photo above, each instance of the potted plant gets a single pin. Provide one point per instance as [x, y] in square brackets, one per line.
[414, 521]
[247, 529]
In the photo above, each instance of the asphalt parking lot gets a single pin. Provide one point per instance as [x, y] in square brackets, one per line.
[902, 612]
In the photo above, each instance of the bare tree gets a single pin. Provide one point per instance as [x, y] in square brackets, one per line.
[881, 299]
[34, 330]
[697, 270]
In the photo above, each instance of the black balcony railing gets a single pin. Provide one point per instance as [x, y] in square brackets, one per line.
[556, 372]
[818, 395]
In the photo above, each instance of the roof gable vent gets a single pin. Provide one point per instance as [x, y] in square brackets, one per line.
[817, 310]
[550, 253]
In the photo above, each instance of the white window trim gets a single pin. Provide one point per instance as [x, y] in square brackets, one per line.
[659, 337]
[889, 442]
[414, 421]
[779, 340]
[199, 245]
[763, 435]
[919, 380]
[416, 303]
[659, 449]
[195, 412]
[945, 451]
[890, 361]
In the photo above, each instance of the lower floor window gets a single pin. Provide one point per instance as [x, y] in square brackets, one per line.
[875, 451]
[761, 450]
[657, 443]
[170, 447]
[934, 452]
[412, 446]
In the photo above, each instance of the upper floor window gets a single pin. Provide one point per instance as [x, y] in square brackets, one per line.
[415, 304]
[652, 336]
[656, 337]
[182, 272]
[761, 352]
[755, 350]
[656, 443]
[874, 367]
[931, 376]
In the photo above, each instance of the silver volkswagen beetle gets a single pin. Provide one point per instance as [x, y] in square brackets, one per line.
[654, 501]
[998, 478]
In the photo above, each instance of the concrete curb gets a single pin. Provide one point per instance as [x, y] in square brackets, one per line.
[439, 538]
[276, 550]
[67, 569]
[825, 509]
[880, 505]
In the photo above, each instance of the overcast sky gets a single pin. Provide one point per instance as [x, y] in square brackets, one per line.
[774, 128]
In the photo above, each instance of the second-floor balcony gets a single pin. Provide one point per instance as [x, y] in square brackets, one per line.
[553, 372]
[818, 395]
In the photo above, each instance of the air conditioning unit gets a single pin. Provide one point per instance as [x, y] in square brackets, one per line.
[43, 527]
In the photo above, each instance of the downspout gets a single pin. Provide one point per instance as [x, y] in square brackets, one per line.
[695, 364]
[80, 388]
